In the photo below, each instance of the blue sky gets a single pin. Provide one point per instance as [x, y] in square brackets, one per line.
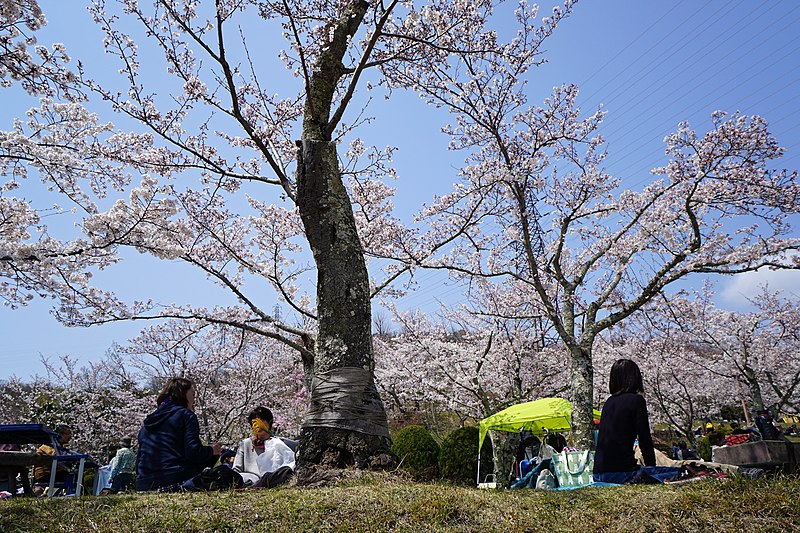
[650, 63]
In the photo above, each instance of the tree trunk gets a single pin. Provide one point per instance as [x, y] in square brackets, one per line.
[755, 388]
[504, 447]
[346, 423]
[582, 387]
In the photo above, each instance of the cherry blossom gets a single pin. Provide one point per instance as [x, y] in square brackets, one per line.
[750, 353]
[39, 70]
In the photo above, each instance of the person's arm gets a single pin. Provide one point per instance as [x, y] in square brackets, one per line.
[194, 450]
[643, 432]
[115, 466]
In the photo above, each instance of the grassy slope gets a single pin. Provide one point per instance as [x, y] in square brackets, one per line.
[379, 503]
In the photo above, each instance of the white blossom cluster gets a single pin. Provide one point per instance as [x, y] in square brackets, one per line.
[698, 359]
[38, 69]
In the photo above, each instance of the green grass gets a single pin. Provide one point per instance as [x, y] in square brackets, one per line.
[380, 502]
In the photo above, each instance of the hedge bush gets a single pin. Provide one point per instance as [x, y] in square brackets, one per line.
[418, 452]
[459, 453]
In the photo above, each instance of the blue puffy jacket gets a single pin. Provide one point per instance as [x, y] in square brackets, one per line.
[170, 450]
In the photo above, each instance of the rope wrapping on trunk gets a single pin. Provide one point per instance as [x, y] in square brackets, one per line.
[346, 398]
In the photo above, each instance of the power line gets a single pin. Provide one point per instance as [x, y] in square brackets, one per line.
[648, 136]
[645, 54]
[638, 37]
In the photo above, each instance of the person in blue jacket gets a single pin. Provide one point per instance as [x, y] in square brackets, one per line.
[170, 450]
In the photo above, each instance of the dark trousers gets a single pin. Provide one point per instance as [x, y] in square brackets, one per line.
[122, 482]
[645, 474]
[8, 479]
[273, 479]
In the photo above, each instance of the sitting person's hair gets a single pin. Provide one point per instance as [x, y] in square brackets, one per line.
[260, 412]
[60, 430]
[177, 390]
[556, 440]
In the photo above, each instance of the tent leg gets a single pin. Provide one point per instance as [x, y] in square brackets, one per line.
[478, 481]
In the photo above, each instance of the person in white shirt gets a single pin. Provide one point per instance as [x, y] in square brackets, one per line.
[264, 460]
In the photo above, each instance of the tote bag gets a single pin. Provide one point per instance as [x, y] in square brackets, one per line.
[573, 468]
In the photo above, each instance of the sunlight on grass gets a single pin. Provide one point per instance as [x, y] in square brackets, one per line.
[381, 502]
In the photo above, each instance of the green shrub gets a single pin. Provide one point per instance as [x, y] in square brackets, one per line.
[418, 451]
[459, 454]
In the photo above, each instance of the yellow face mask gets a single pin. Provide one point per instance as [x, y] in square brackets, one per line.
[259, 425]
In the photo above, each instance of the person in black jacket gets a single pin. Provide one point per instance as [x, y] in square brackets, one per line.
[623, 420]
[170, 451]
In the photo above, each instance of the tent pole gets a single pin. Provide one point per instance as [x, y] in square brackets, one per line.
[478, 480]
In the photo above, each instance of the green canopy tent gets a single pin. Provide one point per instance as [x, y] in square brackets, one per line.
[547, 415]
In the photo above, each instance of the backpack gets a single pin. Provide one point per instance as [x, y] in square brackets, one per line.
[219, 478]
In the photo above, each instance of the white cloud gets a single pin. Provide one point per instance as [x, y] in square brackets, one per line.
[737, 289]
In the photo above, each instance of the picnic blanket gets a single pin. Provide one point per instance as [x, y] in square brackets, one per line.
[663, 460]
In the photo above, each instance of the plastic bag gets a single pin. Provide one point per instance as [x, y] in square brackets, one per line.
[276, 455]
[545, 480]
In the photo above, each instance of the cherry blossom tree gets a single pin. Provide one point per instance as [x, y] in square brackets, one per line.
[472, 363]
[465, 365]
[37, 69]
[224, 174]
[97, 401]
[535, 207]
[233, 371]
[752, 352]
